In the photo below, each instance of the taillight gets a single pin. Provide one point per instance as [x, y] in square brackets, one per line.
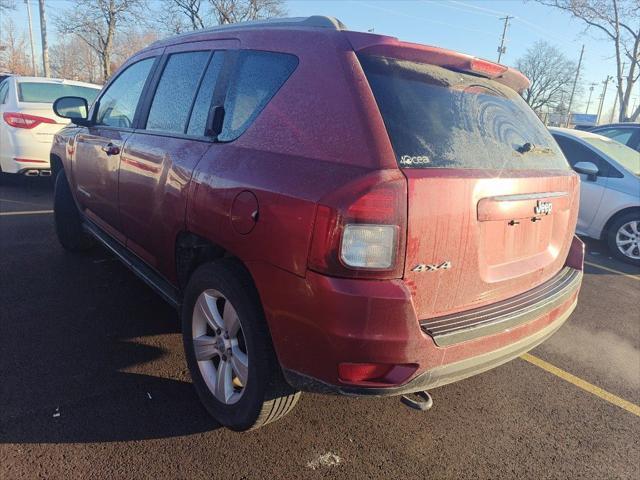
[487, 68]
[24, 120]
[360, 229]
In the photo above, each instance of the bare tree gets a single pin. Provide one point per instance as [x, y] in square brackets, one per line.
[74, 59]
[233, 11]
[619, 21]
[12, 56]
[7, 5]
[551, 75]
[96, 23]
[128, 42]
[194, 10]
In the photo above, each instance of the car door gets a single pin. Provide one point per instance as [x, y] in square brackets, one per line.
[159, 157]
[98, 147]
[591, 189]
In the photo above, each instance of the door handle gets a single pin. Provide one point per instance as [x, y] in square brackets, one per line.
[111, 149]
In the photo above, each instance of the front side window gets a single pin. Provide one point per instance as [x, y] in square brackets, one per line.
[439, 118]
[176, 90]
[625, 156]
[576, 152]
[119, 102]
[257, 78]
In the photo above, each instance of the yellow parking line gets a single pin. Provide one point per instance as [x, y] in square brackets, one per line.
[583, 384]
[27, 212]
[613, 270]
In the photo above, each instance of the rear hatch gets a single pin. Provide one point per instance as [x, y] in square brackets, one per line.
[492, 202]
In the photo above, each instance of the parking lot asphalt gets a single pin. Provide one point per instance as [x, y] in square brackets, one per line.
[93, 384]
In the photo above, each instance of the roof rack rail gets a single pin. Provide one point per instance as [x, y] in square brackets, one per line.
[314, 21]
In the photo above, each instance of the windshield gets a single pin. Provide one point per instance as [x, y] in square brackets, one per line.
[440, 118]
[625, 156]
[38, 92]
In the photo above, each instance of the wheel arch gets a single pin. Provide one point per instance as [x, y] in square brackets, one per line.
[612, 218]
[56, 164]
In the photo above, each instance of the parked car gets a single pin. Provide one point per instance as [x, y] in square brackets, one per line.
[4, 75]
[29, 123]
[626, 133]
[610, 191]
[330, 211]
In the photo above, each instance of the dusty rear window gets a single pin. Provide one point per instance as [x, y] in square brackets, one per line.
[440, 118]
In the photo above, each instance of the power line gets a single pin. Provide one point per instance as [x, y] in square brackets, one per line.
[482, 9]
[502, 49]
[422, 19]
[573, 89]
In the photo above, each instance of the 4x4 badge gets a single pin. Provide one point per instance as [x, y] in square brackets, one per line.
[542, 208]
[431, 267]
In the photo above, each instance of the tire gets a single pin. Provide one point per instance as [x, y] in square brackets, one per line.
[622, 230]
[263, 396]
[67, 218]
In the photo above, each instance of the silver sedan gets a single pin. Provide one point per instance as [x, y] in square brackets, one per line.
[609, 192]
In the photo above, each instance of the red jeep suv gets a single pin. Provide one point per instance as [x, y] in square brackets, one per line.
[329, 211]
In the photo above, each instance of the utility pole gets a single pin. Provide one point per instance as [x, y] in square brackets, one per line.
[33, 53]
[43, 35]
[586, 111]
[604, 93]
[502, 49]
[573, 89]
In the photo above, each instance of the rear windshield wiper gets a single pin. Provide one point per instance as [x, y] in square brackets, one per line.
[532, 148]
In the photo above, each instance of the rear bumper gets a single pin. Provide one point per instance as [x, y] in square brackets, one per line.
[318, 323]
[441, 375]
[24, 151]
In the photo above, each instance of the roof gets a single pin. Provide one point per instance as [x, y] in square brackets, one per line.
[570, 132]
[291, 23]
[624, 125]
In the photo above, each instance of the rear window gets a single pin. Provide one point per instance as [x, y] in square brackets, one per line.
[440, 118]
[49, 92]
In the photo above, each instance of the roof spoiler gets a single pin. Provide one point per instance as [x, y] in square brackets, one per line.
[392, 47]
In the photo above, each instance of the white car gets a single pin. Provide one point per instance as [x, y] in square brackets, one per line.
[609, 190]
[28, 122]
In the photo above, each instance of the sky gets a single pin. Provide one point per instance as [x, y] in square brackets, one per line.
[470, 26]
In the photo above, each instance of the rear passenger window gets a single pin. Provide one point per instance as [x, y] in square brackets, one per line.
[202, 105]
[175, 92]
[257, 78]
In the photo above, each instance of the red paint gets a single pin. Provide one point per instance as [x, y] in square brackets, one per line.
[311, 162]
[27, 160]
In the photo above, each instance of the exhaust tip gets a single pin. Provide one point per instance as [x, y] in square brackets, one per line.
[45, 173]
[31, 173]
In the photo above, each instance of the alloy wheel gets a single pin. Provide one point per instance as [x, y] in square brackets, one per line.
[220, 346]
[628, 239]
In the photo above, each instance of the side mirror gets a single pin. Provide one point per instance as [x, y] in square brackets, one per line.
[75, 109]
[587, 168]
